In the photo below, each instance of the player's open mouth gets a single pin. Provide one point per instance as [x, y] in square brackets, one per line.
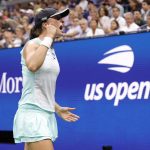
[61, 27]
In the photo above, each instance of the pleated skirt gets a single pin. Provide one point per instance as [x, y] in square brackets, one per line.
[32, 124]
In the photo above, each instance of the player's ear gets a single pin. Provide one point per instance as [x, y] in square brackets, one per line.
[44, 24]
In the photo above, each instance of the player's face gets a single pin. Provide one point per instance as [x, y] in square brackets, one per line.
[57, 23]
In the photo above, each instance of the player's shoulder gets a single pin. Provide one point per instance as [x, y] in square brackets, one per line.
[33, 43]
[30, 46]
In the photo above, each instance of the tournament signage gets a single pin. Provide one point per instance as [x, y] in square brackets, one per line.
[108, 81]
[121, 60]
[9, 85]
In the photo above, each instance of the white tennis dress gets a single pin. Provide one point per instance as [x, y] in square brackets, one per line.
[35, 118]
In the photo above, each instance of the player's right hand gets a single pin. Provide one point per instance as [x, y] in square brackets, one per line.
[51, 30]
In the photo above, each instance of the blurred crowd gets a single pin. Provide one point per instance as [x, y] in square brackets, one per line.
[87, 18]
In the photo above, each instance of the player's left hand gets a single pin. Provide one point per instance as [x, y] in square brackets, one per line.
[66, 115]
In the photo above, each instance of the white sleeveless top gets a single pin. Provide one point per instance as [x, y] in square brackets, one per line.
[39, 86]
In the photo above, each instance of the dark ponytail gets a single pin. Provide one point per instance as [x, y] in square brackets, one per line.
[35, 31]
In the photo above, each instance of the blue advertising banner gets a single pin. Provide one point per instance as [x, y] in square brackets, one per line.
[108, 81]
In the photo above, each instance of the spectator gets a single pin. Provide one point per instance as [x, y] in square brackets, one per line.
[72, 15]
[145, 9]
[104, 19]
[72, 3]
[1, 38]
[37, 5]
[114, 28]
[84, 27]
[147, 25]
[61, 4]
[75, 30]
[9, 40]
[79, 10]
[11, 23]
[27, 27]
[134, 6]
[117, 17]
[20, 33]
[21, 16]
[30, 14]
[138, 18]
[93, 15]
[83, 4]
[94, 30]
[113, 3]
[148, 21]
[6, 14]
[131, 26]
[91, 6]
[17, 15]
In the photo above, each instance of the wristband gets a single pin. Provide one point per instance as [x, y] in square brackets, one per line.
[47, 42]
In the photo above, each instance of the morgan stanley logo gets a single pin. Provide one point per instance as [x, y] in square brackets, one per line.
[119, 59]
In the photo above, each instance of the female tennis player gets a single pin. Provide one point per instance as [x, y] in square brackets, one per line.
[34, 121]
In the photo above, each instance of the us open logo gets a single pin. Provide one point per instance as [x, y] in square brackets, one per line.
[120, 58]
